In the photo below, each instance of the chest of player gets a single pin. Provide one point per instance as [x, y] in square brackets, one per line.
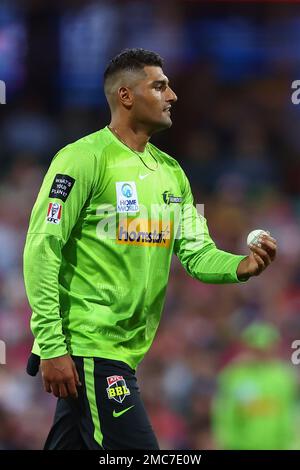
[137, 205]
[138, 190]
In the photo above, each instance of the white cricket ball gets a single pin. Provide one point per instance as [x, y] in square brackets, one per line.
[253, 236]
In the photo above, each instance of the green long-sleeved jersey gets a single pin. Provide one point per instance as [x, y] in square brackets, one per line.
[99, 247]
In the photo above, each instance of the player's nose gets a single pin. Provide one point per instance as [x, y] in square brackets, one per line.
[174, 96]
[171, 97]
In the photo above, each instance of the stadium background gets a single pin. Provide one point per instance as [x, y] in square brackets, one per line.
[235, 133]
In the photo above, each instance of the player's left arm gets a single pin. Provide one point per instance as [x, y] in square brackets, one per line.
[201, 258]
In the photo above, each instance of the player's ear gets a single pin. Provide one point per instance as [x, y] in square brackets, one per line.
[125, 96]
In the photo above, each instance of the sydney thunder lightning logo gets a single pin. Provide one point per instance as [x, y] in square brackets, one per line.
[170, 198]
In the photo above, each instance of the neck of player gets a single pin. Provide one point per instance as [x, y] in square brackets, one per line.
[132, 136]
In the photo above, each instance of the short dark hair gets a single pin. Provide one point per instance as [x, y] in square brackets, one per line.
[132, 59]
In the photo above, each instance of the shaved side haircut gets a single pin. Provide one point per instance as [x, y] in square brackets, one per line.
[127, 67]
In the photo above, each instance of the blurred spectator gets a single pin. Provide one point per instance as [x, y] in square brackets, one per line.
[255, 403]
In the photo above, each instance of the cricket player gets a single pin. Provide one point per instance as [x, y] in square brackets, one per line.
[111, 211]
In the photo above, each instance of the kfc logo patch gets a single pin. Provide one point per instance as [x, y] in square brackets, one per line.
[54, 213]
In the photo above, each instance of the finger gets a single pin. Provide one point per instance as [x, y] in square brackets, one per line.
[263, 254]
[71, 387]
[47, 386]
[268, 243]
[55, 389]
[270, 247]
[260, 263]
[268, 237]
[76, 376]
[63, 393]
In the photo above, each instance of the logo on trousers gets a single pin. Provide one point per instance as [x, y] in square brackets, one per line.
[117, 388]
[120, 413]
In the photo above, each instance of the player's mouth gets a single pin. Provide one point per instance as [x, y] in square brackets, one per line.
[168, 109]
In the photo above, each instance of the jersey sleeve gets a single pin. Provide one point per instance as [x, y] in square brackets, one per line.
[64, 191]
[197, 251]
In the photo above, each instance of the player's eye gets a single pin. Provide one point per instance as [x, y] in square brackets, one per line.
[160, 86]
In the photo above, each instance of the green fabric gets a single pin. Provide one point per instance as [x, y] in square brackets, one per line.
[260, 335]
[88, 367]
[103, 297]
[254, 407]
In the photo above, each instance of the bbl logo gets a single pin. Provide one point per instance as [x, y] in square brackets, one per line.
[117, 388]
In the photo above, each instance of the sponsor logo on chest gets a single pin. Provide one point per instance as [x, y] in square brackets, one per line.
[127, 199]
[145, 232]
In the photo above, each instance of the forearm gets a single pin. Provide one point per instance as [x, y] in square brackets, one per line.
[42, 259]
[215, 266]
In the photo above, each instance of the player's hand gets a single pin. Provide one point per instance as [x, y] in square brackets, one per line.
[60, 376]
[259, 259]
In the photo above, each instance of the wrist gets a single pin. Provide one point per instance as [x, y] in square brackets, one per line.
[242, 271]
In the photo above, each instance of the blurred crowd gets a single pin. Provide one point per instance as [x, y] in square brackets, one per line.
[235, 133]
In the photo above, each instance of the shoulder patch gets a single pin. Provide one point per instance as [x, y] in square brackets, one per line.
[61, 186]
[54, 213]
